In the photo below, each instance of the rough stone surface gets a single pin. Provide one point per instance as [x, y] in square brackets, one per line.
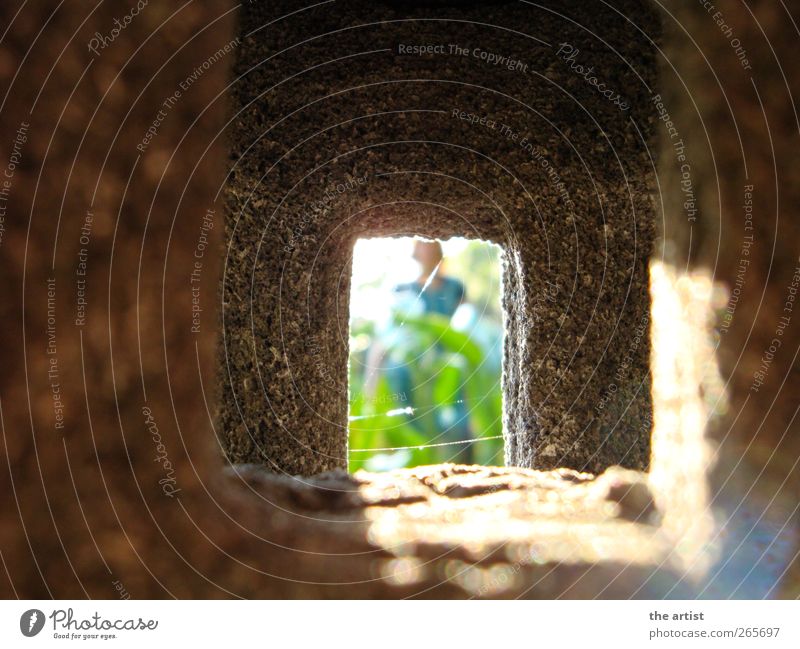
[81, 508]
[313, 114]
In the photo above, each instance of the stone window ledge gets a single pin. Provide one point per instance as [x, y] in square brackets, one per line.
[502, 531]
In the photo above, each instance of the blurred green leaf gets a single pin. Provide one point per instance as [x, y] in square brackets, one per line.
[450, 370]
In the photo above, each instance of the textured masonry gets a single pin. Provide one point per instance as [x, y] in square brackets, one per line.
[500, 131]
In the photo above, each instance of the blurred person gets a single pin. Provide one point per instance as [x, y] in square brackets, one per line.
[437, 292]
[432, 292]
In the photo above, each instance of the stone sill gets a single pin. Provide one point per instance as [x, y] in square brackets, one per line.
[420, 523]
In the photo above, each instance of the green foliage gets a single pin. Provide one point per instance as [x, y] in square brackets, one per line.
[478, 267]
[445, 366]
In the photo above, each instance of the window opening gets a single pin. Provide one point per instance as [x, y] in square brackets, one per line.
[426, 346]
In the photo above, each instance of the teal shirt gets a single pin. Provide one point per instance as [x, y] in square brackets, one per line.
[442, 298]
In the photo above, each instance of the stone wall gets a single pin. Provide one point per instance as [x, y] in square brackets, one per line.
[353, 133]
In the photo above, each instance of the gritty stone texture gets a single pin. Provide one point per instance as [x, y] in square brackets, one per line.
[312, 115]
